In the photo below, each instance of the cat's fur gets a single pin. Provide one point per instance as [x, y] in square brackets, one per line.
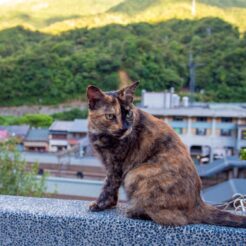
[147, 157]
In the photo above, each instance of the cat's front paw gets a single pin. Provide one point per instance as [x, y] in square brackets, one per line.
[94, 207]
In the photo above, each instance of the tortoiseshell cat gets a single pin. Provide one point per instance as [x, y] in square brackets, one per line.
[145, 155]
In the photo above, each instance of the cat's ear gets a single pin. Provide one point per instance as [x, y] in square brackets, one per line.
[94, 95]
[127, 94]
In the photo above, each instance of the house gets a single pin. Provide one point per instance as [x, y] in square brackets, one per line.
[18, 131]
[63, 135]
[37, 139]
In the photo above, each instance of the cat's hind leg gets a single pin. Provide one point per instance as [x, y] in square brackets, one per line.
[133, 183]
[154, 193]
[172, 217]
[135, 211]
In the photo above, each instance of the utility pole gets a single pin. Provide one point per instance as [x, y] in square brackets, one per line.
[193, 7]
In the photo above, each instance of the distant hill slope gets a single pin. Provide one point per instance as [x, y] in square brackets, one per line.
[38, 68]
[55, 16]
[226, 3]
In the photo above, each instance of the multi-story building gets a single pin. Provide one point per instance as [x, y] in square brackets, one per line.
[63, 135]
[210, 130]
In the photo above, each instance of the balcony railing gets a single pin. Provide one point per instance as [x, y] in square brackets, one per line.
[227, 126]
[203, 125]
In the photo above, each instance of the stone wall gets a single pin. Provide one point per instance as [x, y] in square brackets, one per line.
[39, 221]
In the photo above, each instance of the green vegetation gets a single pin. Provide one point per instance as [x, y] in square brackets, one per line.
[243, 154]
[34, 120]
[15, 177]
[71, 115]
[226, 3]
[42, 120]
[44, 69]
[39, 68]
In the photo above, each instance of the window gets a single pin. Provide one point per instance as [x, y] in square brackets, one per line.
[201, 131]
[243, 135]
[226, 119]
[225, 132]
[178, 118]
[58, 136]
[201, 119]
[178, 130]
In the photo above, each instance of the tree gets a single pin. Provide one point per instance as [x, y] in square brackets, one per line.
[16, 178]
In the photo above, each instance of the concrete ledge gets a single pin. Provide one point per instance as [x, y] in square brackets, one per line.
[35, 221]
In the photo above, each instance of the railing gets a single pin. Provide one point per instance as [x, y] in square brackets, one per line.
[179, 124]
[36, 221]
[227, 126]
[207, 125]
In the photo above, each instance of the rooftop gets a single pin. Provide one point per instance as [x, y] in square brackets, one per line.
[59, 125]
[171, 104]
[16, 130]
[198, 111]
[39, 135]
[78, 125]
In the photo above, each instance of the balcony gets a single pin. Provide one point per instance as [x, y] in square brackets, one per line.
[227, 126]
[203, 125]
[179, 124]
[41, 221]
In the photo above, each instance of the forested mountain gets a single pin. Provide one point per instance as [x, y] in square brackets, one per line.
[42, 68]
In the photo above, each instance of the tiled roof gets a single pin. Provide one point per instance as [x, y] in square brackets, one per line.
[197, 111]
[20, 130]
[78, 125]
[59, 125]
[38, 135]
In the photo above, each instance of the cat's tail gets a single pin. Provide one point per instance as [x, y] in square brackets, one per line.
[207, 214]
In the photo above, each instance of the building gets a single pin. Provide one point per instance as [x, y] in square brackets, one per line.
[63, 135]
[18, 131]
[37, 140]
[209, 130]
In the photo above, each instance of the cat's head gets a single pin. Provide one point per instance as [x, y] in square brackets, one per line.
[112, 113]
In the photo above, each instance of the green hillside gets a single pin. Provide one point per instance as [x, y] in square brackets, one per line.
[226, 3]
[55, 16]
[104, 42]
[39, 68]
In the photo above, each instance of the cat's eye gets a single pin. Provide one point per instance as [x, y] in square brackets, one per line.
[110, 116]
[129, 115]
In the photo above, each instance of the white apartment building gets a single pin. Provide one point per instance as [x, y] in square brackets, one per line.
[208, 129]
